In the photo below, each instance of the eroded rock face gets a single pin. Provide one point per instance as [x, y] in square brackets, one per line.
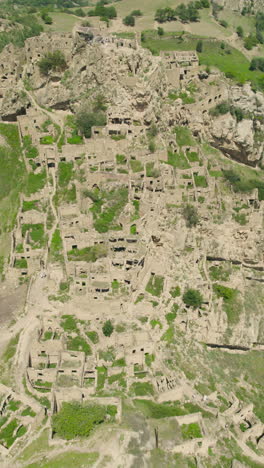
[14, 103]
[241, 140]
[236, 139]
[238, 5]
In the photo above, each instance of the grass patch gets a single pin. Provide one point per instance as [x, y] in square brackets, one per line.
[192, 156]
[232, 305]
[184, 136]
[69, 323]
[78, 344]
[13, 176]
[107, 206]
[8, 435]
[28, 412]
[168, 335]
[191, 431]
[56, 247]
[136, 165]
[21, 263]
[151, 171]
[10, 350]
[93, 336]
[119, 379]
[88, 254]
[229, 60]
[47, 140]
[155, 285]
[29, 205]
[36, 235]
[35, 182]
[245, 179]
[175, 291]
[178, 160]
[149, 359]
[219, 273]
[76, 420]
[66, 191]
[31, 151]
[69, 459]
[200, 181]
[142, 389]
[170, 317]
[101, 377]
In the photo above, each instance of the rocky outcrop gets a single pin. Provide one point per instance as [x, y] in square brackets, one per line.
[236, 139]
[14, 103]
[238, 5]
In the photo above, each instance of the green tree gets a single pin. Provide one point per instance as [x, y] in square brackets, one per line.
[193, 298]
[190, 215]
[86, 119]
[136, 13]
[199, 46]
[129, 20]
[108, 328]
[160, 31]
[54, 61]
[240, 31]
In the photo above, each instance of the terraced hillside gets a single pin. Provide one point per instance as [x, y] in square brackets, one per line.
[131, 253]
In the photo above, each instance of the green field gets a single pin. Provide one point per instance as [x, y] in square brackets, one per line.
[228, 60]
[62, 22]
[12, 175]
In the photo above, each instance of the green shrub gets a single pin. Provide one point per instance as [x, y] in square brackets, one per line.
[199, 46]
[223, 23]
[240, 31]
[136, 13]
[220, 109]
[257, 63]
[129, 20]
[103, 11]
[121, 159]
[86, 119]
[190, 214]
[108, 328]
[232, 305]
[193, 298]
[240, 218]
[54, 61]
